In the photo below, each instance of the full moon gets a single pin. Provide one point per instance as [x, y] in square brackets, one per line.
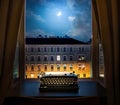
[59, 13]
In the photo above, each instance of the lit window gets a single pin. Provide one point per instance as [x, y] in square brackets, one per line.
[45, 67]
[71, 67]
[39, 68]
[58, 66]
[32, 75]
[52, 67]
[58, 57]
[64, 66]
[32, 67]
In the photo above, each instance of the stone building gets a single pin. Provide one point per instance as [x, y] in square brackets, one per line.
[56, 54]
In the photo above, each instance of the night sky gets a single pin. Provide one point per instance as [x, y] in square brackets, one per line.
[59, 18]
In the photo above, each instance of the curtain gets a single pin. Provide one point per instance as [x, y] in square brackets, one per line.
[10, 19]
[107, 21]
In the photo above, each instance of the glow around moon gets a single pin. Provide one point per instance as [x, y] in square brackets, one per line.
[59, 13]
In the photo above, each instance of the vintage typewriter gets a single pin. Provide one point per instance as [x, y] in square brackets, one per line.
[62, 81]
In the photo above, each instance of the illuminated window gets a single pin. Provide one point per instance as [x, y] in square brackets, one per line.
[84, 75]
[58, 66]
[52, 67]
[71, 67]
[39, 67]
[45, 67]
[64, 66]
[32, 67]
[58, 57]
[32, 75]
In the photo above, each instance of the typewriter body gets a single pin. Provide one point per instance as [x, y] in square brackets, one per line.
[58, 81]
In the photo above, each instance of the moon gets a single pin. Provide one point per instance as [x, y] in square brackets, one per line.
[59, 13]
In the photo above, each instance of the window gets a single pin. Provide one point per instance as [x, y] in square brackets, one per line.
[71, 67]
[31, 49]
[32, 58]
[45, 49]
[58, 57]
[45, 58]
[58, 49]
[38, 49]
[39, 59]
[45, 67]
[70, 49]
[84, 75]
[52, 58]
[64, 58]
[32, 67]
[64, 66]
[39, 67]
[58, 67]
[52, 67]
[71, 58]
[51, 49]
[64, 49]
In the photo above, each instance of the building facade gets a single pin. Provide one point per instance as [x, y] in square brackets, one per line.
[57, 55]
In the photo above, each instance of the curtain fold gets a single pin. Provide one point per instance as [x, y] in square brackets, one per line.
[109, 25]
[10, 16]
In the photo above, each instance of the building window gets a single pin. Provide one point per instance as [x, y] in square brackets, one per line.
[64, 58]
[45, 49]
[52, 58]
[84, 75]
[64, 66]
[39, 67]
[52, 67]
[51, 49]
[71, 58]
[32, 58]
[45, 58]
[79, 49]
[31, 49]
[81, 66]
[39, 59]
[64, 49]
[58, 49]
[82, 49]
[32, 67]
[58, 67]
[70, 49]
[71, 67]
[32, 75]
[58, 57]
[38, 49]
[45, 67]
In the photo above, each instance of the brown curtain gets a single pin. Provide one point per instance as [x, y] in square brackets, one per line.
[106, 23]
[10, 19]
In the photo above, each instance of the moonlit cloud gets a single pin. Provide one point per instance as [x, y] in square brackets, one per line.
[71, 18]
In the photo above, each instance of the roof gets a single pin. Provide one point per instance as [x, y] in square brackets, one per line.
[53, 41]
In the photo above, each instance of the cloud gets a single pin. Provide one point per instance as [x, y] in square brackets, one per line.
[35, 16]
[71, 18]
[37, 32]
